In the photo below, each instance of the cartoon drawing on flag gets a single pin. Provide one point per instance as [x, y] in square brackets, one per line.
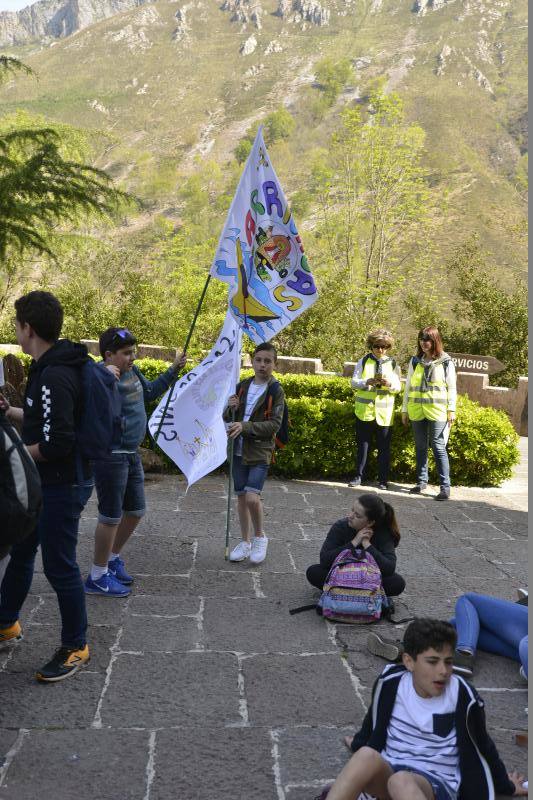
[260, 254]
[192, 432]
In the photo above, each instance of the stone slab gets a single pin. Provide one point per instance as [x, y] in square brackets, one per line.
[312, 754]
[167, 690]
[191, 763]
[296, 690]
[68, 705]
[163, 555]
[153, 634]
[262, 626]
[82, 764]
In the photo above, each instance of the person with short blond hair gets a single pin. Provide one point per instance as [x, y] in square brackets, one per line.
[376, 379]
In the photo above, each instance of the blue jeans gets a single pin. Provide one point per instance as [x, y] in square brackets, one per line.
[364, 434]
[119, 481]
[427, 432]
[248, 477]
[57, 533]
[493, 625]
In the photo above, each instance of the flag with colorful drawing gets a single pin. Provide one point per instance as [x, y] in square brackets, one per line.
[188, 425]
[260, 254]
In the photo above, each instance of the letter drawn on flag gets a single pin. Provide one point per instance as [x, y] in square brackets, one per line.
[193, 433]
[260, 254]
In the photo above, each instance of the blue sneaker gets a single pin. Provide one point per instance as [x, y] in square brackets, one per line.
[117, 570]
[106, 586]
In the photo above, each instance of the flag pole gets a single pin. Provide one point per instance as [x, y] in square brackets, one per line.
[187, 342]
[230, 481]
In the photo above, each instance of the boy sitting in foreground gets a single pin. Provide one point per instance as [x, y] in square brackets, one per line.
[424, 737]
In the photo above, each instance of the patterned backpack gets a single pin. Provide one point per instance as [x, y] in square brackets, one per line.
[353, 591]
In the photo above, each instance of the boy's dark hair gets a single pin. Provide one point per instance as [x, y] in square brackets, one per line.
[43, 311]
[114, 339]
[425, 633]
[266, 346]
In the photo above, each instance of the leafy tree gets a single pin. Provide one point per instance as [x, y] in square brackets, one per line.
[372, 237]
[277, 126]
[495, 319]
[333, 76]
[41, 190]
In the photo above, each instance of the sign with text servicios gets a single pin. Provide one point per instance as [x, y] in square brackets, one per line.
[485, 365]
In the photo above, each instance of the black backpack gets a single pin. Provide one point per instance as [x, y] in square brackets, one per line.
[100, 423]
[283, 435]
[20, 487]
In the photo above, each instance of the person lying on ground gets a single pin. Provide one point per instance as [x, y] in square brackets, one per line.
[490, 624]
[371, 525]
[424, 736]
[482, 622]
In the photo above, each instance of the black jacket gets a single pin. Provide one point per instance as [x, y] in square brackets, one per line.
[482, 770]
[341, 534]
[52, 405]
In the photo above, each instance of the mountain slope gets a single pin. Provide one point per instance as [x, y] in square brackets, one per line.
[173, 81]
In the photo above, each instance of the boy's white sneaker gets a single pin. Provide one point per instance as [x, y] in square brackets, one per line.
[259, 549]
[241, 551]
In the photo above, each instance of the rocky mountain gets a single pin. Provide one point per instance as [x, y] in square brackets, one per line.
[55, 19]
[173, 83]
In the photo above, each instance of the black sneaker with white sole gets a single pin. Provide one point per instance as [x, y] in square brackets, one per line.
[64, 663]
[384, 648]
[463, 663]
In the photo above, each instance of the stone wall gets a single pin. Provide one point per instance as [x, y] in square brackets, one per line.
[476, 386]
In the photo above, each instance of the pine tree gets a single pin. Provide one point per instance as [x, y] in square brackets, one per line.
[40, 190]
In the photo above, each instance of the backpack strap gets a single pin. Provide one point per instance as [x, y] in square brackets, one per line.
[310, 607]
[272, 390]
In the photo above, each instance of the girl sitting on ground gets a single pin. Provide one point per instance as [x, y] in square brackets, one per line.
[371, 525]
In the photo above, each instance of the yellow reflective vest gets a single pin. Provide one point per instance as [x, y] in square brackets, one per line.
[373, 403]
[428, 395]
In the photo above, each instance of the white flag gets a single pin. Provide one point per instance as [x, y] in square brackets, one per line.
[193, 433]
[260, 254]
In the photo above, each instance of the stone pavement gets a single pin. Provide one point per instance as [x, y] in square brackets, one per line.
[202, 687]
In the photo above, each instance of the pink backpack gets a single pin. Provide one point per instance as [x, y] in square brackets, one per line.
[353, 591]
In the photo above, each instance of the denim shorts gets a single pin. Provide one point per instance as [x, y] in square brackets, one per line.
[119, 481]
[248, 477]
[440, 788]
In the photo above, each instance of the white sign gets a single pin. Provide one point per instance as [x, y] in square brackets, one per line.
[260, 254]
[193, 433]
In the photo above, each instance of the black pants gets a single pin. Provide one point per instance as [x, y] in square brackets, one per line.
[393, 585]
[364, 434]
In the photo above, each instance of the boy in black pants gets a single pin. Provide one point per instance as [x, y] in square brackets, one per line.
[51, 407]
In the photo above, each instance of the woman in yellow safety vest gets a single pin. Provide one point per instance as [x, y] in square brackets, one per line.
[429, 403]
[376, 379]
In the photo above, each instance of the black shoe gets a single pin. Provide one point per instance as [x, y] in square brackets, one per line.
[65, 662]
[444, 494]
[463, 663]
[418, 488]
[384, 648]
[355, 482]
[383, 486]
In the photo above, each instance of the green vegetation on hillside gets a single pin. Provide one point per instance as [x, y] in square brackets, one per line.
[397, 139]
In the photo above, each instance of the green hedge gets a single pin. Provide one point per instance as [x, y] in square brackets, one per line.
[483, 446]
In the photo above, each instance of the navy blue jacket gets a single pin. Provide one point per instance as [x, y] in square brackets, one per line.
[482, 770]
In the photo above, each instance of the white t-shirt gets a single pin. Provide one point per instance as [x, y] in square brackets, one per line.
[422, 734]
[255, 392]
